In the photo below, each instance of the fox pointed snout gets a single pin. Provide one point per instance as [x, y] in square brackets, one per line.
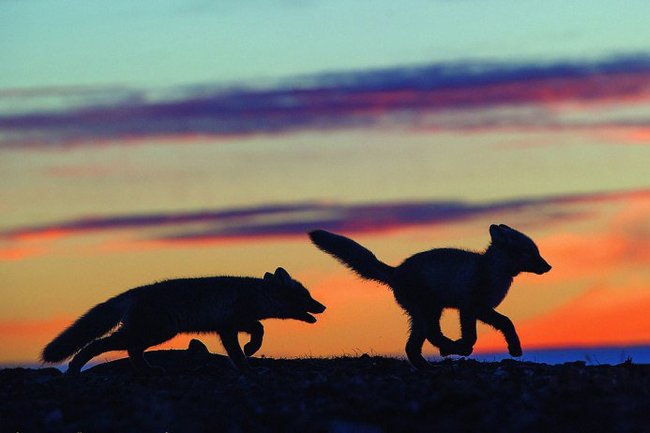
[543, 267]
[316, 307]
[313, 307]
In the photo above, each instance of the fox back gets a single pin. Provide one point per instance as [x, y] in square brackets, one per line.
[208, 304]
[443, 276]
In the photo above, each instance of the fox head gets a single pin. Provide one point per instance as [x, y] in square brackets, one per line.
[293, 299]
[522, 252]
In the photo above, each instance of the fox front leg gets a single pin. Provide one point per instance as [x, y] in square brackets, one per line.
[256, 330]
[504, 325]
[231, 344]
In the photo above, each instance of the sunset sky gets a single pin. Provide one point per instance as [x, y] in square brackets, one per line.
[141, 141]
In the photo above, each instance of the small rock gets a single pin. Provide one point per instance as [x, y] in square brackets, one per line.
[197, 346]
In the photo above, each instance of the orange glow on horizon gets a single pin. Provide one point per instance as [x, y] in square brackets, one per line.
[596, 293]
[600, 317]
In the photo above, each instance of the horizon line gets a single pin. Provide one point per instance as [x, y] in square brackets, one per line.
[478, 353]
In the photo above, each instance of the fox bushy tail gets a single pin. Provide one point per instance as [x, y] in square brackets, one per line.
[352, 255]
[96, 322]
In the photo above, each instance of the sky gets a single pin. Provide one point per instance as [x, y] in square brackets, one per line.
[141, 142]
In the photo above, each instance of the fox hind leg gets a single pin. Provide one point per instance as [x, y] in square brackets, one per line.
[256, 330]
[145, 328]
[141, 341]
[414, 344]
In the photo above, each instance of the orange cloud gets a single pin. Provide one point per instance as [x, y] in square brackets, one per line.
[630, 135]
[19, 253]
[42, 235]
[623, 242]
[33, 327]
[22, 339]
[574, 256]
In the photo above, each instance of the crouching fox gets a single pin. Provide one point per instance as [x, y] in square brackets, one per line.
[426, 283]
[155, 313]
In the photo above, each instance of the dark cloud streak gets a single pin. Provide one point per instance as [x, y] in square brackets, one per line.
[396, 96]
[296, 219]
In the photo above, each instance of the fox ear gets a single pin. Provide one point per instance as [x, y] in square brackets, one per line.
[498, 233]
[282, 275]
[507, 229]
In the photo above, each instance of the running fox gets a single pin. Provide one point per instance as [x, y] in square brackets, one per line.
[427, 282]
[155, 313]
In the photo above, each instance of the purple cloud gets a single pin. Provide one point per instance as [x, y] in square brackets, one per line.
[297, 219]
[405, 96]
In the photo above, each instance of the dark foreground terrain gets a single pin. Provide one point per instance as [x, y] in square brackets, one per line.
[201, 392]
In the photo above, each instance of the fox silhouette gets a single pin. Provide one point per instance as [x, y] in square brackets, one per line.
[427, 282]
[152, 314]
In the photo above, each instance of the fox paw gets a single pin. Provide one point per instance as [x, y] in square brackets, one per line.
[250, 349]
[418, 362]
[446, 350]
[464, 350]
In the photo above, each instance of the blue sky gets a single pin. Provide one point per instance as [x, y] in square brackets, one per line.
[161, 43]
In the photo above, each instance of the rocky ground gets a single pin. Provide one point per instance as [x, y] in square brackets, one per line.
[201, 392]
